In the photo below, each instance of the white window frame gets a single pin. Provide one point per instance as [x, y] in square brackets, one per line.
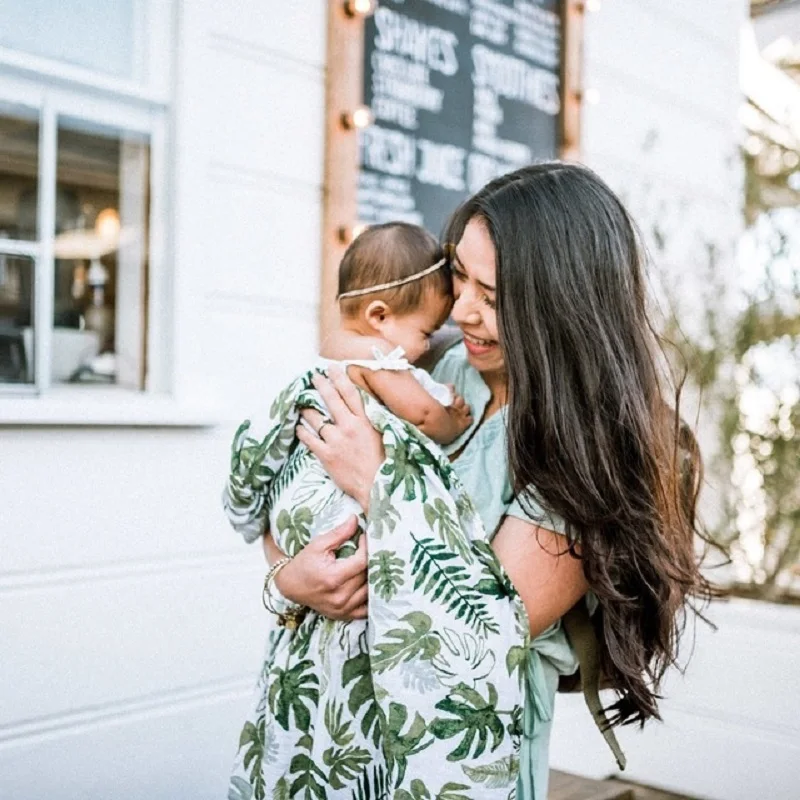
[54, 90]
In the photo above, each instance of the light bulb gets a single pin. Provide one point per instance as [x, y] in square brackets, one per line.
[106, 226]
[593, 6]
[348, 234]
[360, 8]
[358, 118]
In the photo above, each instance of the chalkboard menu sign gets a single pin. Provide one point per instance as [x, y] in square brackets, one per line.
[462, 91]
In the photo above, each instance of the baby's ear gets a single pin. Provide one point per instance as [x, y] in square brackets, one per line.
[376, 313]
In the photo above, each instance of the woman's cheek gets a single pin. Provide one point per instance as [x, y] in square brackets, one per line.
[490, 321]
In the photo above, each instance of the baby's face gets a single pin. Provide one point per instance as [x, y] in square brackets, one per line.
[413, 331]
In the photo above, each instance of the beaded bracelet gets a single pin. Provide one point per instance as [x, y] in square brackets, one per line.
[266, 593]
[293, 614]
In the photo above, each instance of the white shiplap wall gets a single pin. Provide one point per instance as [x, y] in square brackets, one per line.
[130, 618]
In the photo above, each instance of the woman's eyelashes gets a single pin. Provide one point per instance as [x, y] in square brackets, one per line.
[461, 277]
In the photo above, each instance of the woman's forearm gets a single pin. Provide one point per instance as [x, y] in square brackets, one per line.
[272, 552]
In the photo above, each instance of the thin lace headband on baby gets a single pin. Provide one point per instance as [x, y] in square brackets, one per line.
[382, 287]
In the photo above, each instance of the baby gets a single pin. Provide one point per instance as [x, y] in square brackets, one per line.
[346, 709]
[395, 291]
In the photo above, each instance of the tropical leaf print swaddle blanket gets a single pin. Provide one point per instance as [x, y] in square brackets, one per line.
[425, 698]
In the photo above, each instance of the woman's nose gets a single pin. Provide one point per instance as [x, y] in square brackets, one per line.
[465, 311]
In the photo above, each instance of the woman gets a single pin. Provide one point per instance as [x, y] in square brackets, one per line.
[574, 458]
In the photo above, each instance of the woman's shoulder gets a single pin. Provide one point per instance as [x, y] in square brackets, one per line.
[529, 506]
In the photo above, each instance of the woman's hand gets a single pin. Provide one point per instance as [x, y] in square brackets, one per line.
[333, 587]
[347, 445]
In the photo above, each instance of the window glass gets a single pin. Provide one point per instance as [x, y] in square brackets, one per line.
[16, 318]
[102, 206]
[19, 166]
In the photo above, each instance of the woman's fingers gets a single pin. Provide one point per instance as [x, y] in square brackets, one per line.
[312, 442]
[351, 587]
[358, 600]
[354, 565]
[347, 390]
[312, 417]
[333, 400]
[334, 539]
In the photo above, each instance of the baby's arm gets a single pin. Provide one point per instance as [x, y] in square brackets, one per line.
[403, 396]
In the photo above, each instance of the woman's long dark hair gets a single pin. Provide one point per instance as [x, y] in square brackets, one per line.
[590, 423]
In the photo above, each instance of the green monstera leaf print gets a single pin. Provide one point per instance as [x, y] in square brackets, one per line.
[404, 465]
[497, 775]
[252, 740]
[399, 746]
[292, 693]
[345, 764]
[382, 513]
[362, 702]
[386, 573]
[413, 641]
[294, 528]
[472, 717]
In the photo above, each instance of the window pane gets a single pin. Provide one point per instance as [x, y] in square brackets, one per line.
[96, 34]
[16, 319]
[100, 255]
[19, 166]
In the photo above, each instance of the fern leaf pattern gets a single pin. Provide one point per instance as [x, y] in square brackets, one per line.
[425, 703]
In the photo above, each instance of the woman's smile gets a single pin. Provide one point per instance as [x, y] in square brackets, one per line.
[478, 347]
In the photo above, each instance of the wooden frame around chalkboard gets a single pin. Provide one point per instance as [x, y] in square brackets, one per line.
[343, 92]
[572, 78]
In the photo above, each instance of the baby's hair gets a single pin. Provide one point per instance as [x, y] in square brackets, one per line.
[390, 252]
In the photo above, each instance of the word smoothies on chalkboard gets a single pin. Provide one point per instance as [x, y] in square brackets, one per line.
[462, 91]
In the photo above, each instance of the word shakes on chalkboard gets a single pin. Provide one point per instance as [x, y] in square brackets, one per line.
[462, 91]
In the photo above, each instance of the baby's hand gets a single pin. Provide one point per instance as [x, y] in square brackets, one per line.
[461, 414]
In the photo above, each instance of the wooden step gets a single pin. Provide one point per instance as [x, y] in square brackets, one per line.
[648, 792]
[564, 786]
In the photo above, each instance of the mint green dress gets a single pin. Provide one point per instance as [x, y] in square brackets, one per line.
[483, 469]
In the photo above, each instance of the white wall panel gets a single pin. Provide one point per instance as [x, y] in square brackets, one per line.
[266, 238]
[682, 67]
[714, 21]
[179, 751]
[293, 32]
[271, 122]
[79, 499]
[263, 343]
[659, 142]
[92, 643]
